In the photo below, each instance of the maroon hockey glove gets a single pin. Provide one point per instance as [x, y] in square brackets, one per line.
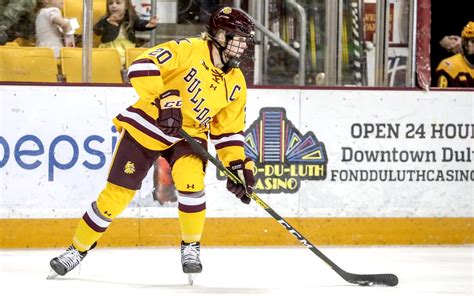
[170, 118]
[243, 169]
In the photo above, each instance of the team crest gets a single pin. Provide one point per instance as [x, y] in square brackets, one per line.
[283, 156]
[226, 10]
[129, 168]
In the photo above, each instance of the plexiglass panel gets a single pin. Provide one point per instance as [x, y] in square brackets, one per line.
[340, 37]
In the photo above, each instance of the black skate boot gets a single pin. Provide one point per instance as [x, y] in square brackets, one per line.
[67, 261]
[190, 259]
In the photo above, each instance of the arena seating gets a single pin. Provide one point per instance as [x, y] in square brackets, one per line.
[74, 9]
[106, 65]
[29, 64]
[132, 53]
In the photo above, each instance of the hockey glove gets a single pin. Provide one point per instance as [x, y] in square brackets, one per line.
[243, 169]
[170, 118]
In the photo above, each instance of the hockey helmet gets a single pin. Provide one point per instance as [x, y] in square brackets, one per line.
[236, 24]
[467, 36]
[468, 31]
[234, 21]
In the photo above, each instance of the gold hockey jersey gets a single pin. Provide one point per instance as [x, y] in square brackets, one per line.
[455, 72]
[213, 101]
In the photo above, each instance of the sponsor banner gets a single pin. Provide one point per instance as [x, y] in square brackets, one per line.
[393, 153]
[318, 153]
[55, 146]
[284, 157]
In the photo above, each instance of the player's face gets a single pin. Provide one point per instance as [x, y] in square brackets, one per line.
[235, 47]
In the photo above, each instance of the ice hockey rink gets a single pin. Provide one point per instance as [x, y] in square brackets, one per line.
[432, 270]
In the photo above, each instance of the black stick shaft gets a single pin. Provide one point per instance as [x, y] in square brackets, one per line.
[361, 279]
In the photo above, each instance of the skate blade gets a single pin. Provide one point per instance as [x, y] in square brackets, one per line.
[191, 277]
[52, 275]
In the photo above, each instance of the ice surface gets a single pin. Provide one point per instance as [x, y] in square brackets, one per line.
[433, 270]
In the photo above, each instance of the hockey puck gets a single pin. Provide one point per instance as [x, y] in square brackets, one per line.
[366, 284]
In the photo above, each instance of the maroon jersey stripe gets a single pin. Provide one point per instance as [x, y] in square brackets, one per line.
[142, 114]
[143, 129]
[142, 61]
[143, 73]
[229, 143]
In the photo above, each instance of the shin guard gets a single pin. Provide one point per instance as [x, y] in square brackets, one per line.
[110, 203]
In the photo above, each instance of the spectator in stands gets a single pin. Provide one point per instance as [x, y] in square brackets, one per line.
[452, 43]
[117, 28]
[458, 70]
[17, 19]
[52, 29]
[164, 189]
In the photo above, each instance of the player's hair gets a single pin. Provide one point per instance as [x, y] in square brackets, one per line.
[205, 35]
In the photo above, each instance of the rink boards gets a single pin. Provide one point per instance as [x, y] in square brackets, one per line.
[345, 166]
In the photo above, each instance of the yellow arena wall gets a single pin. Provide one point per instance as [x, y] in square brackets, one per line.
[17, 233]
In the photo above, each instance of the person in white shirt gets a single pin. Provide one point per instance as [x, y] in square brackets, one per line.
[52, 29]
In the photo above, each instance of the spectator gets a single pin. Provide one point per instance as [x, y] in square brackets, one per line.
[17, 19]
[117, 28]
[164, 190]
[446, 20]
[451, 43]
[52, 29]
[458, 70]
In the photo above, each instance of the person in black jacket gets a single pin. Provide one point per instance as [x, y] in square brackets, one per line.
[117, 28]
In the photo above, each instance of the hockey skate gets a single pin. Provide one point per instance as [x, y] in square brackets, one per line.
[190, 259]
[66, 262]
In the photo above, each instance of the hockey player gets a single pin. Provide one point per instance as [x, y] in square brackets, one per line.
[458, 70]
[191, 84]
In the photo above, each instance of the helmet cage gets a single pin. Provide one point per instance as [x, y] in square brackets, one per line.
[236, 24]
[467, 36]
[239, 47]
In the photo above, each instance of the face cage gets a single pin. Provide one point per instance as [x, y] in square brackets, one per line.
[468, 50]
[235, 50]
[465, 44]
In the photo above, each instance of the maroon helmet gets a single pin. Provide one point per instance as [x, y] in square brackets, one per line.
[234, 21]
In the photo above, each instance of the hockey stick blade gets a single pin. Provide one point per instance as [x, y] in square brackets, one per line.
[386, 279]
[358, 279]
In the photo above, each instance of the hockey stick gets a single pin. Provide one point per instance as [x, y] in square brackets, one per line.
[359, 279]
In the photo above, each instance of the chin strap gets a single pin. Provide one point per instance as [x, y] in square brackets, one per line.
[233, 62]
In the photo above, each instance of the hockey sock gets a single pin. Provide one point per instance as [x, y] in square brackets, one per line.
[188, 175]
[192, 214]
[110, 203]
